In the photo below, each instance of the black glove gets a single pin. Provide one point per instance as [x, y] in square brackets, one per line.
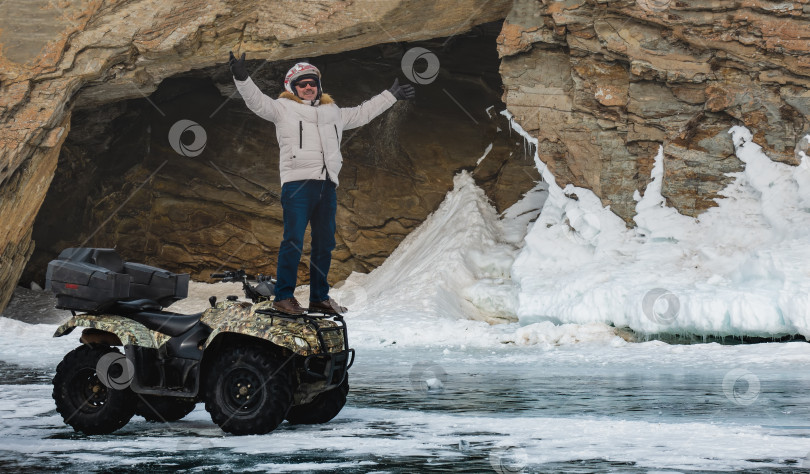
[402, 92]
[238, 67]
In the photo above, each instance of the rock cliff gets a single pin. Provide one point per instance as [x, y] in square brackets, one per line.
[603, 83]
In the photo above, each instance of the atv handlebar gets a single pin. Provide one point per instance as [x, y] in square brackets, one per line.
[229, 275]
[240, 275]
[261, 292]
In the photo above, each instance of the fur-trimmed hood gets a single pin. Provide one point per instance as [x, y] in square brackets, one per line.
[325, 98]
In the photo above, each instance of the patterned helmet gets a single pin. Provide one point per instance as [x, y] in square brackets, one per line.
[295, 72]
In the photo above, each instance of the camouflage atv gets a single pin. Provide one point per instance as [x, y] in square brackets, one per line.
[251, 365]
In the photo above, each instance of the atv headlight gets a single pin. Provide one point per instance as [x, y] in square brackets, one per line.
[301, 342]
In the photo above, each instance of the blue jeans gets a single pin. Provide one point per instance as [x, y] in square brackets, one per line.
[305, 202]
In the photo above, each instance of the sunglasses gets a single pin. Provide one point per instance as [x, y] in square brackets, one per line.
[304, 84]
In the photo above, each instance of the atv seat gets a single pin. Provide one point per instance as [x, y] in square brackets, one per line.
[147, 312]
[138, 305]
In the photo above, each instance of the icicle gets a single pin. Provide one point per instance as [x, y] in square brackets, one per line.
[524, 148]
[528, 149]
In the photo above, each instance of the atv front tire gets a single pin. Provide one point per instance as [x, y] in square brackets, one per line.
[84, 402]
[248, 390]
[156, 408]
[322, 408]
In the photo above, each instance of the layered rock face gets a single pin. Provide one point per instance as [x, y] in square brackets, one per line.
[603, 83]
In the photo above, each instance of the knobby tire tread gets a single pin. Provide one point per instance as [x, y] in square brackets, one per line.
[278, 396]
[119, 405]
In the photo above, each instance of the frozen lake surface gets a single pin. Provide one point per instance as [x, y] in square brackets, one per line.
[648, 407]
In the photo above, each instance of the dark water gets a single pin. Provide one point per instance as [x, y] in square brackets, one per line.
[11, 374]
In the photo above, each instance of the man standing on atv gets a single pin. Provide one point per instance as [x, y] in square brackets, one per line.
[309, 127]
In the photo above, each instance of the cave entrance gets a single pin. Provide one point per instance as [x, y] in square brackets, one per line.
[187, 178]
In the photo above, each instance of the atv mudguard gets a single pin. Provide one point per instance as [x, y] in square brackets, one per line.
[296, 335]
[128, 331]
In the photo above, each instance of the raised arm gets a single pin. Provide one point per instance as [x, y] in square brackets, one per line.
[256, 101]
[365, 112]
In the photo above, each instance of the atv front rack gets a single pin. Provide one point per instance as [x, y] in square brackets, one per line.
[329, 366]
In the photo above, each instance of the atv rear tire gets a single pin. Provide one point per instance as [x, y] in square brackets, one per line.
[84, 402]
[248, 390]
[322, 408]
[164, 409]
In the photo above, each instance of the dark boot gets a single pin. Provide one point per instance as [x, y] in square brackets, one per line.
[329, 306]
[288, 306]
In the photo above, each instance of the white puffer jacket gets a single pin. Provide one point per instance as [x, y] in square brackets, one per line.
[309, 135]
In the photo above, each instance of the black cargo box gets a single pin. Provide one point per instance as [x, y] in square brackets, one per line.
[87, 279]
[156, 284]
[90, 279]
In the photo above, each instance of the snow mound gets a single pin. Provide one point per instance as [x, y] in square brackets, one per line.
[567, 268]
[450, 279]
[740, 269]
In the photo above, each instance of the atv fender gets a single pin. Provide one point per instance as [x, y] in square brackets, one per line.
[97, 336]
[127, 331]
[293, 334]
